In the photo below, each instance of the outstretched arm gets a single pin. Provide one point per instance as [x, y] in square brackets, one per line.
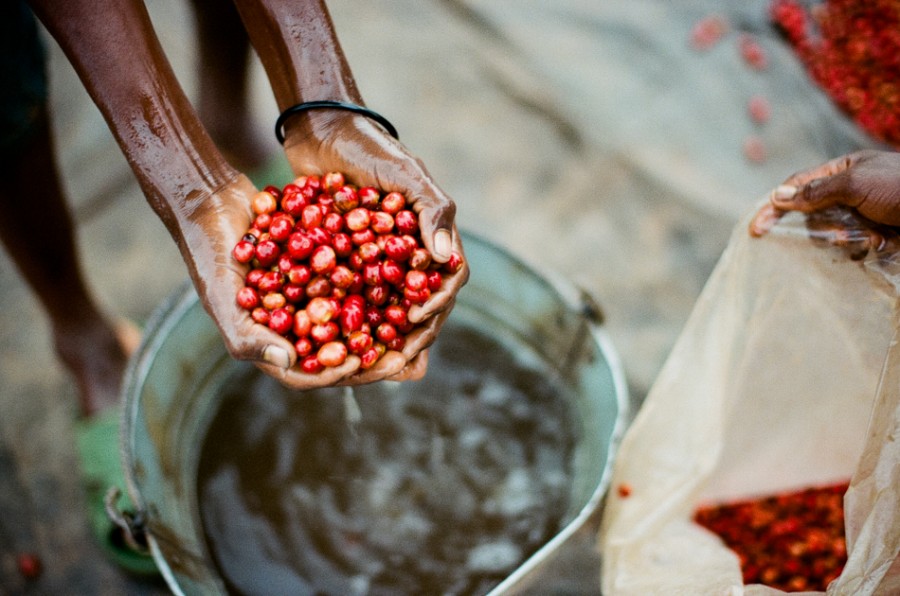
[300, 52]
[203, 202]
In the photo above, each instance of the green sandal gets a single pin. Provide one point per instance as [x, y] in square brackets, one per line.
[97, 439]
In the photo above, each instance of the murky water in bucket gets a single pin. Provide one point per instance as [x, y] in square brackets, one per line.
[440, 486]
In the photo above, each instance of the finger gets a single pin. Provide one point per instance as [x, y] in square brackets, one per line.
[295, 378]
[816, 195]
[408, 364]
[829, 168]
[414, 370]
[389, 365]
[248, 340]
[765, 220]
[424, 334]
[443, 298]
[440, 301]
[437, 213]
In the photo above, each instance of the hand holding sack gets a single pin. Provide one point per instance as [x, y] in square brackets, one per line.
[786, 376]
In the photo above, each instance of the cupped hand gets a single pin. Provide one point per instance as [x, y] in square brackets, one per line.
[209, 231]
[867, 181]
[324, 141]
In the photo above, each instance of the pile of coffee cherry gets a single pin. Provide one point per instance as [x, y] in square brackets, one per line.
[793, 541]
[852, 50]
[335, 269]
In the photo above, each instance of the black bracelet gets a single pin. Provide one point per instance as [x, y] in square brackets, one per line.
[340, 105]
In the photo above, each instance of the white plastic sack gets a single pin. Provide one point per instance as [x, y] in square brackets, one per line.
[786, 376]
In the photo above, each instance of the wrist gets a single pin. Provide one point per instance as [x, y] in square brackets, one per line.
[215, 210]
[307, 117]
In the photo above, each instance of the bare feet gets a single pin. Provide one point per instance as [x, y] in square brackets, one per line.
[96, 355]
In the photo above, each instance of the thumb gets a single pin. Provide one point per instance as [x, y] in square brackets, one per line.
[817, 194]
[257, 343]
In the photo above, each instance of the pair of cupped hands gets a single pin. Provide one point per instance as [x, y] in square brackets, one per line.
[367, 156]
[865, 183]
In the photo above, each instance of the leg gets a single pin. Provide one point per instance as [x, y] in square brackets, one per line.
[38, 232]
[222, 72]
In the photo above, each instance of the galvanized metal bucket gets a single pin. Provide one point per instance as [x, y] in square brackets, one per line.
[173, 387]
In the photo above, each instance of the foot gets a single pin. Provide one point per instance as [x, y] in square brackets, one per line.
[96, 355]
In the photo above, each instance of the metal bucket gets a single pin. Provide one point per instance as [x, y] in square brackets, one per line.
[173, 387]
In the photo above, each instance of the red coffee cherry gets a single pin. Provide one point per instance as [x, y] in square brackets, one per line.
[358, 219]
[281, 321]
[244, 251]
[267, 252]
[248, 298]
[332, 181]
[407, 222]
[281, 227]
[303, 346]
[271, 281]
[261, 223]
[381, 223]
[393, 202]
[454, 263]
[323, 259]
[392, 272]
[416, 280]
[311, 365]
[397, 248]
[369, 197]
[359, 342]
[346, 198]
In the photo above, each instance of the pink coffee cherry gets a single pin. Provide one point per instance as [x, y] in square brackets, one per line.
[759, 109]
[333, 353]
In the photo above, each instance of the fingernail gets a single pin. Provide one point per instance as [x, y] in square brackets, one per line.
[784, 192]
[442, 244]
[277, 357]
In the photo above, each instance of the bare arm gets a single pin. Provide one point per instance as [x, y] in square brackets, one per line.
[203, 202]
[299, 50]
[303, 59]
[113, 48]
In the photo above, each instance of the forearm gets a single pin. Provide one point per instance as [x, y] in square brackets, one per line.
[114, 50]
[298, 47]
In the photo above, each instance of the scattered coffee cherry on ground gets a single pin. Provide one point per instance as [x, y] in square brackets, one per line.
[759, 109]
[29, 565]
[335, 268]
[708, 31]
[755, 149]
[752, 52]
